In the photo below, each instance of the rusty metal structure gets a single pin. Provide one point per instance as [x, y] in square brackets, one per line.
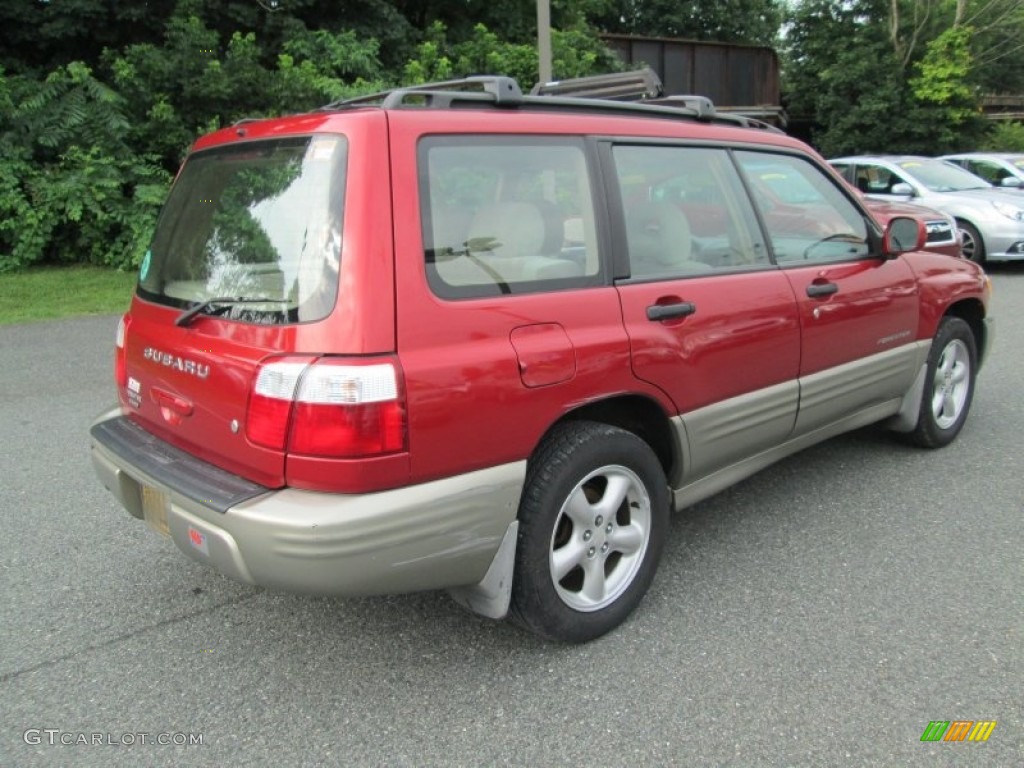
[738, 78]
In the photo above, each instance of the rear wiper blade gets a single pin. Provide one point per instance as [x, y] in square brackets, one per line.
[186, 317]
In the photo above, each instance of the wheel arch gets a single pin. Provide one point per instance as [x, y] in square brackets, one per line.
[972, 312]
[638, 414]
[960, 221]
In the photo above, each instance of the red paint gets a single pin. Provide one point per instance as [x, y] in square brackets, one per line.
[483, 379]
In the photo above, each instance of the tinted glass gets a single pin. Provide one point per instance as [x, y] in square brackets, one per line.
[254, 221]
[939, 176]
[987, 170]
[503, 215]
[685, 212]
[807, 216]
[877, 179]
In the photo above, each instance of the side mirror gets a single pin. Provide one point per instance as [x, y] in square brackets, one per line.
[904, 234]
[903, 189]
[1010, 181]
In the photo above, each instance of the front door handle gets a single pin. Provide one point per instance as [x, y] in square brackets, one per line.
[658, 312]
[821, 289]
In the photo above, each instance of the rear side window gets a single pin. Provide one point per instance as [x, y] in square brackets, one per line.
[507, 215]
[258, 225]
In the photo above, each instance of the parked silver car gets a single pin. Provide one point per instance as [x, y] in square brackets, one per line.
[991, 220]
[1001, 169]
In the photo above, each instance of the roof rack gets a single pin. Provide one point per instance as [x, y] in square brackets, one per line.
[735, 114]
[621, 86]
[504, 92]
[494, 89]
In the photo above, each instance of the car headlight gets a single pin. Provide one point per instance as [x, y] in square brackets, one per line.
[1009, 211]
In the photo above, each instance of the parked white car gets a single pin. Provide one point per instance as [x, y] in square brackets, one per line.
[991, 220]
[1001, 169]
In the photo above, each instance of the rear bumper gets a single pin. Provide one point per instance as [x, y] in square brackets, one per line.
[435, 535]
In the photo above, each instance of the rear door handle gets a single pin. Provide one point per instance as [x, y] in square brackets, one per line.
[669, 311]
[821, 289]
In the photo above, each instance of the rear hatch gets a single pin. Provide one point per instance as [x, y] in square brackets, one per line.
[245, 259]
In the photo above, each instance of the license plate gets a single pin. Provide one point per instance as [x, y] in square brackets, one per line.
[154, 509]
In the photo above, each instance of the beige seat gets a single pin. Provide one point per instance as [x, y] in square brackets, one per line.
[659, 241]
[505, 230]
[504, 244]
[449, 226]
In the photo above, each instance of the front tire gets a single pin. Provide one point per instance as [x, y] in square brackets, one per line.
[592, 525]
[973, 245]
[949, 385]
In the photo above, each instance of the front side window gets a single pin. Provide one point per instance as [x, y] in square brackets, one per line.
[685, 212]
[507, 215]
[807, 216]
[257, 225]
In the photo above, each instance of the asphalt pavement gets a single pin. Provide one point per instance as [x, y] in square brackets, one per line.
[821, 613]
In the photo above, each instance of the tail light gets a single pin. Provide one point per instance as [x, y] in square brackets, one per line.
[331, 407]
[120, 356]
[270, 404]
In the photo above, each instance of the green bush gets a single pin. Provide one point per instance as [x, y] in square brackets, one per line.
[1004, 136]
[575, 52]
[88, 152]
[71, 190]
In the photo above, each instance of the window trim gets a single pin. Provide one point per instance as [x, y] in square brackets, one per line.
[874, 234]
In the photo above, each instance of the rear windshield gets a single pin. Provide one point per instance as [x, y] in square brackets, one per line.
[255, 225]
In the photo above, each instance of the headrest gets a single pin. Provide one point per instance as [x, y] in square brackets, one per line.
[657, 233]
[507, 230]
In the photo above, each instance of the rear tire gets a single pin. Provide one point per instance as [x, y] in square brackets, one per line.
[592, 526]
[949, 385]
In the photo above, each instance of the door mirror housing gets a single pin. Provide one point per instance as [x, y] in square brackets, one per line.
[1011, 182]
[903, 189]
[903, 234]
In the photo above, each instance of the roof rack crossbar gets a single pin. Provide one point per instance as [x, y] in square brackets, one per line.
[702, 105]
[497, 89]
[637, 84]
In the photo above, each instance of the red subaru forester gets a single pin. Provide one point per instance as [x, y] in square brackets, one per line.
[455, 337]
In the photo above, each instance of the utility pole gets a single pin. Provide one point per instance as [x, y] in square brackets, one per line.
[544, 39]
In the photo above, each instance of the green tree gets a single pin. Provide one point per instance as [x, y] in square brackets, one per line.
[877, 76]
[37, 37]
[734, 21]
[195, 81]
[575, 52]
